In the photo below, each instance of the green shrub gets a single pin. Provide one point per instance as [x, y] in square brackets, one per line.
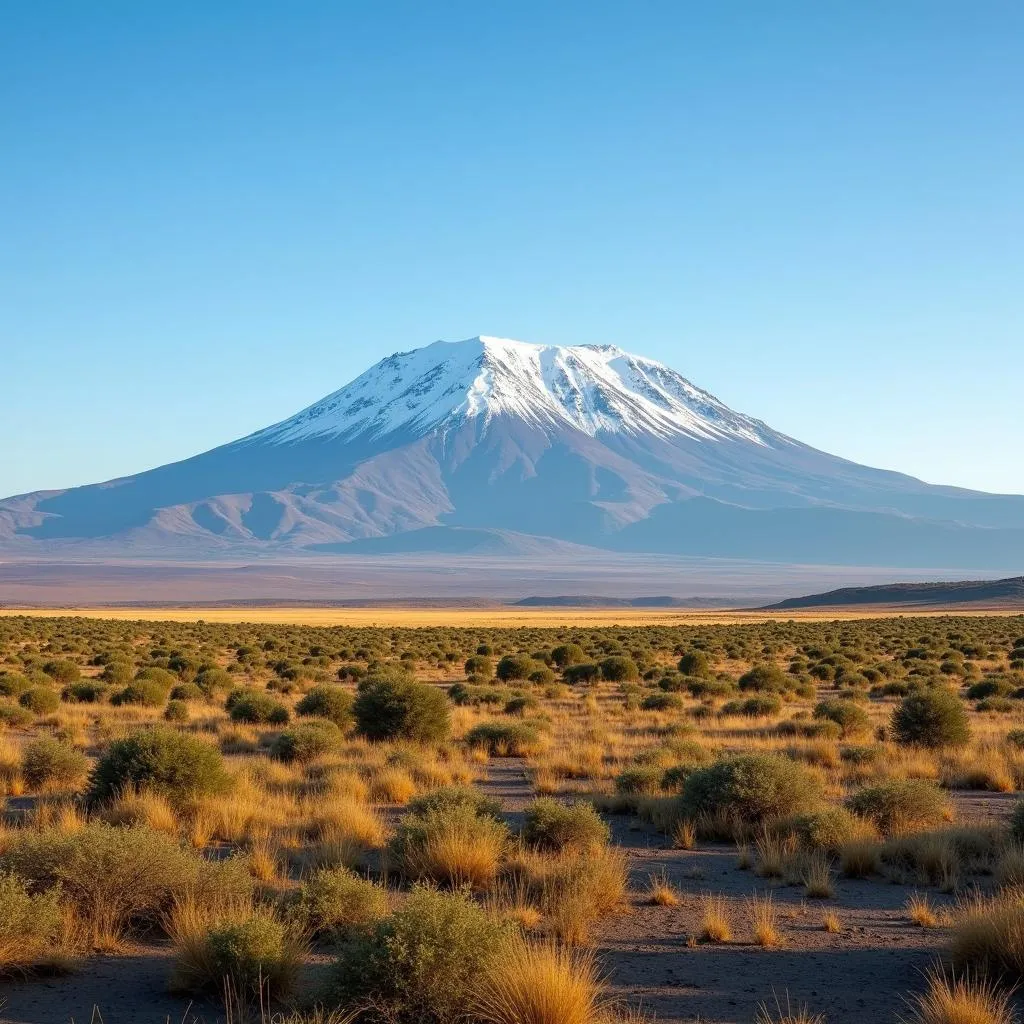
[187, 692]
[582, 673]
[935, 717]
[1017, 822]
[421, 965]
[619, 668]
[62, 671]
[145, 692]
[49, 764]
[829, 829]
[766, 679]
[480, 666]
[40, 700]
[156, 676]
[456, 796]
[308, 741]
[695, 663]
[505, 739]
[171, 762]
[338, 903]
[117, 673]
[550, 825]
[176, 711]
[15, 716]
[901, 805]
[638, 781]
[389, 708]
[568, 654]
[117, 878]
[257, 952]
[31, 927]
[85, 691]
[330, 702]
[751, 788]
[13, 684]
[520, 704]
[256, 708]
[851, 719]
[661, 702]
[515, 666]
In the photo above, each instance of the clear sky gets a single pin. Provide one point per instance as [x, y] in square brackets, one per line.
[212, 214]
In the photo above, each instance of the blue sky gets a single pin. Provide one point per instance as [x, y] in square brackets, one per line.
[214, 214]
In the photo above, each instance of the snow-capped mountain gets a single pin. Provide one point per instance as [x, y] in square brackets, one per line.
[591, 388]
[490, 445]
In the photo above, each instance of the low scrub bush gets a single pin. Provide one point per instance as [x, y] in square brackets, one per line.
[330, 702]
[935, 717]
[339, 903]
[751, 788]
[902, 805]
[550, 825]
[451, 844]
[161, 759]
[307, 741]
[851, 719]
[392, 708]
[256, 708]
[48, 764]
[32, 927]
[40, 700]
[506, 739]
[422, 964]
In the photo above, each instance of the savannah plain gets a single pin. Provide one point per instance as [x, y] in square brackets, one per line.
[517, 816]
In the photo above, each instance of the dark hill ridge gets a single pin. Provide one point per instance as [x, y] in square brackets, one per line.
[994, 593]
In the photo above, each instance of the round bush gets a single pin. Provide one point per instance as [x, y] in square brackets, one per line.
[568, 654]
[851, 719]
[515, 666]
[550, 825]
[62, 671]
[765, 679]
[902, 805]
[176, 711]
[505, 739]
[338, 903]
[423, 964]
[255, 953]
[695, 663]
[40, 700]
[187, 691]
[935, 717]
[751, 788]
[50, 764]
[479, 665]
[145, 692]
[619, 669]
[330, 702]
[13, 684]
[256, 708]
[395, 708]
[178, 765]
[86, 691]
[308, 741]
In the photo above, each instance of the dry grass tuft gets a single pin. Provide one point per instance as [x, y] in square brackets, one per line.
[714, 921]
[950, 999]
[661, 892]
[765, 920]
[831, 922]
[921, 911]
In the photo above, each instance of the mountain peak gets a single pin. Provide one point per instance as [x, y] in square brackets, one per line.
[596, 389]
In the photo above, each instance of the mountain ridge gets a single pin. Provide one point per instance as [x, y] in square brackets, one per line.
[581, 445]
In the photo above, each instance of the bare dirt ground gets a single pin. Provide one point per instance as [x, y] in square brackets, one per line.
[858, 975]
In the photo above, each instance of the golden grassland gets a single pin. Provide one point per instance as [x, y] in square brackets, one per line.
[497, 618]
[288, 848]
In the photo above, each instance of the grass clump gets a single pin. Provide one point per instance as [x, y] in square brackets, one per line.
[959, 999]
[550, 825]
[161, 759]
[539, 983]
[988, 938]
[452, 845]
[421, 965]
[506, 739]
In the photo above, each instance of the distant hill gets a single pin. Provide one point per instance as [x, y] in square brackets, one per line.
[591, 601]
[994, 593]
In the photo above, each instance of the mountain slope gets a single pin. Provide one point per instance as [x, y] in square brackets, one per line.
[587, 445]
[1008, 593]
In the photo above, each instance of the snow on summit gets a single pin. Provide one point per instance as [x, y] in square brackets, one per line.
[592, 388]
